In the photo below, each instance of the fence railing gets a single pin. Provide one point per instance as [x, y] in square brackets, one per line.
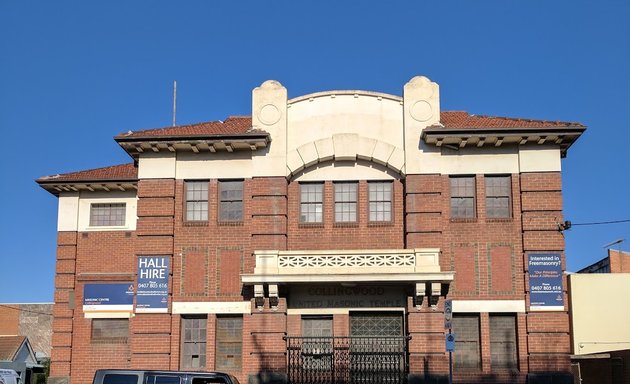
[353, 359]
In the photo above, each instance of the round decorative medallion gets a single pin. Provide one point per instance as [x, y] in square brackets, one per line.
[421, 111]
[269, 114]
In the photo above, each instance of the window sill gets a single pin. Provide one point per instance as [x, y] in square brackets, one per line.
[463, 220]
[342, 224]
[499, 219]
[195, 223]
[116, 341]
[311, 225]
[106, 228]
[380, 223]
[230, 223]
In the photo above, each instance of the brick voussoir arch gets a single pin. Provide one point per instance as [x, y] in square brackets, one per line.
[345, 147]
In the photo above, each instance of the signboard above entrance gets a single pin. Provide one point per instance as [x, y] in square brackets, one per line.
[338, 296]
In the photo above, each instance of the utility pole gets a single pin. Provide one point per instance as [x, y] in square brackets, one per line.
[174, 101]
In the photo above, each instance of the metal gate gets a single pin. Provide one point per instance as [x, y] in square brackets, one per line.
[351, 360]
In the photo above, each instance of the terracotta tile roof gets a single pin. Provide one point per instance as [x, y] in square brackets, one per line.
[239, 125]
[461, 119]
[9, 346]
[233, 125]
[114, 173]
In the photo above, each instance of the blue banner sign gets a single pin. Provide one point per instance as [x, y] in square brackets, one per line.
[545, 282]
[152, 292]
[111, 298]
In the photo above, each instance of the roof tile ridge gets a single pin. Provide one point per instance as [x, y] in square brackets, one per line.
[130, 132]
[527, 119]
[59, 175]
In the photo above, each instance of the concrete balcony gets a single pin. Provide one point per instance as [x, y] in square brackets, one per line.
[386, 265]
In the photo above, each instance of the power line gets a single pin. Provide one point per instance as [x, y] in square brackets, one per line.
[603, 222]
[25, 310]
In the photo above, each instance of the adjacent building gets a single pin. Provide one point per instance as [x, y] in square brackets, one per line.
[318, 240]
[600, 317]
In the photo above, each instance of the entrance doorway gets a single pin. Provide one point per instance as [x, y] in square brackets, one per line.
[375, 351]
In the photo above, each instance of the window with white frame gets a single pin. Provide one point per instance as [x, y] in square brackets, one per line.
[346, 202]
[107, 214]
[311, 202]
[196, 200]
[380, 200]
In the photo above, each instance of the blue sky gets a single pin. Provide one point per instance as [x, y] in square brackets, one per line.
[74, 74]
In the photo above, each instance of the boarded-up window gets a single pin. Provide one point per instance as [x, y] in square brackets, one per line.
[498, 192]
[229, 344]
[467, 352]
[107, 214]
[503, 342]
[196, 200]
[230, 200]
[115, 331]
[462, 197]
[194, 330]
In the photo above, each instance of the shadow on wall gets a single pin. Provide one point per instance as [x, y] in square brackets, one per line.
[531, 378]
[272, 366]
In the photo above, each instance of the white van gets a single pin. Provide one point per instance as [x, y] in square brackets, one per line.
[9, 376]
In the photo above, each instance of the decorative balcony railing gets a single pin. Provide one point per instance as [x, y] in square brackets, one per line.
[347, 261]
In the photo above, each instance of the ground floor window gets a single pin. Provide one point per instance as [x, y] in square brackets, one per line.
[194, 333]
[110, 331]
[317, 326]
[466, 328]
[376, 324]
[229, 343]
[503, 345]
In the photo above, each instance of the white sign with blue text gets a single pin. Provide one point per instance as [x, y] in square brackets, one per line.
[152, 290]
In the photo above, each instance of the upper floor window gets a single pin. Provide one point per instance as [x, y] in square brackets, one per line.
[231, 200]
[107, 214]
[311, 202]
[498, 192]
[196, 200]
[380, 197]
[462, 197]
[346, 202]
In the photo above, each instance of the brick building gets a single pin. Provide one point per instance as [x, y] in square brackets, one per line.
[317, 240]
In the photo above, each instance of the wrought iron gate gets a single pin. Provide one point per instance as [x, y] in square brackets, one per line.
[347, 360]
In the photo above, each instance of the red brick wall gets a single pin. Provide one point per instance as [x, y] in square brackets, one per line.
[619, 261]
[9, 319]
[331, 235]
[488, 256]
